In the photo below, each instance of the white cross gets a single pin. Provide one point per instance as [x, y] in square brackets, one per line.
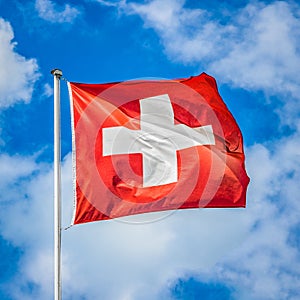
[157, 140]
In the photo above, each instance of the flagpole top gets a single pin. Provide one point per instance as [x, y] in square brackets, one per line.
[56, 73]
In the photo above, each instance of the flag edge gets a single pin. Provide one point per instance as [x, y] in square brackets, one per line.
[73, 154]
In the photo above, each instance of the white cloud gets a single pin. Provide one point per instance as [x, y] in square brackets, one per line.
[113, 260]
[249, 246]
[187, 34]
[17, 73]
[265, 53]
[50, 11]
[133, 258]
[117, 3]
[48, 90]
[14, 168]
[254, 48]
[262, 265]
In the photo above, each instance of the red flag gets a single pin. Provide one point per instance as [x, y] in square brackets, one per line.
[153, 145]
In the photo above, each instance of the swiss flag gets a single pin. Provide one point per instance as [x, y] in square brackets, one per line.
[154, 145]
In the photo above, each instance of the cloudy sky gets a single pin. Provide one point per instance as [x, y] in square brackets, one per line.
[252, 48]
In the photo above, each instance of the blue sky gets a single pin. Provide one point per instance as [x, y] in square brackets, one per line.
[251, 48]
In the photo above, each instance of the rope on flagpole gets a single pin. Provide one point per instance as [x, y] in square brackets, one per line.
[64, 79]
[57, 186]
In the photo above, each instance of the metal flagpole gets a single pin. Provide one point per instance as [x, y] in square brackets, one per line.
[57, 186]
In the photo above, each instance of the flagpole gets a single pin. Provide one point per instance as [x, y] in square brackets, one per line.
[57, 186]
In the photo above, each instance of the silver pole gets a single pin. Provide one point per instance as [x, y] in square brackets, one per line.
[57, 186]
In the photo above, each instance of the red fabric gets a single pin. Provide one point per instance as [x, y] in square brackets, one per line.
[111, 186]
